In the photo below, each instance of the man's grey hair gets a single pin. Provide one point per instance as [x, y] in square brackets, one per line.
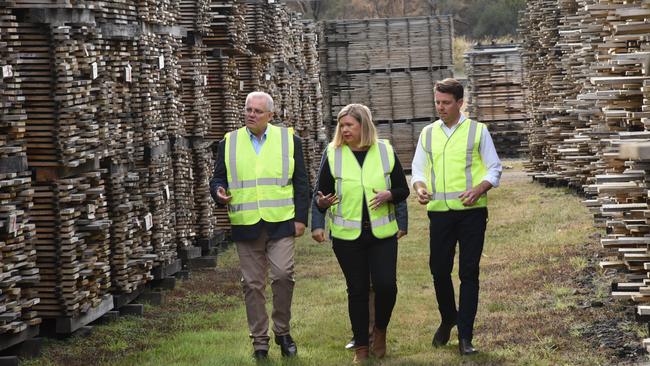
[259, 94]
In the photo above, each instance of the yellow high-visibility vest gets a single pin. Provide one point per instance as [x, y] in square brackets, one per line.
[353, 182]
[260, 185]
[454, 164]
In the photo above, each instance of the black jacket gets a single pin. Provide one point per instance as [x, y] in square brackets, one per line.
[275, 230]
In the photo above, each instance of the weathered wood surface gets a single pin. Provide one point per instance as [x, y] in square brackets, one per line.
[390, 65]
[588, 81]
[496, 95]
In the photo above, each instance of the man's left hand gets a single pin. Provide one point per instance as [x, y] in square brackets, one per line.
[470, 197]
[300, 229]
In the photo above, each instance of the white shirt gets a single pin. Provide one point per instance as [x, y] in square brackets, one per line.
[485, 148]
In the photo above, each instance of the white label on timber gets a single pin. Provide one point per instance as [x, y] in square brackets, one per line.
[95, 71]
[167, 195]
[241, 85]
[91, 209]
[127, 73]
[86, 51]
[137, 222]
[267, 77]
[271, 1]
[148, 221]
[7, 71]
[205, 80]
[161, 62]
[284, 112]
[12, 226]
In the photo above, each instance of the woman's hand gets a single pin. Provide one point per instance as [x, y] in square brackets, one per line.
[324, 202]
[380, 198]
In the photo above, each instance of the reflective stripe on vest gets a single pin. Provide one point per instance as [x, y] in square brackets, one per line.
[261, 188]
[236, 183]
[443, 201]
[382, 221]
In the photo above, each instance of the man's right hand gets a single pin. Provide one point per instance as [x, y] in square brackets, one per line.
[222, 196]
[423, 195]
[318, 235]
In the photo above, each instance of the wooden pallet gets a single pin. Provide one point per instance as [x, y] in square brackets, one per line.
[496, 96]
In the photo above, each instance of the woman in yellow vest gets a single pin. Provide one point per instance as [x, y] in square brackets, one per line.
[360, 181]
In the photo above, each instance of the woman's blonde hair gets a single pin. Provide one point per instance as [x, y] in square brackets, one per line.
[362, 114]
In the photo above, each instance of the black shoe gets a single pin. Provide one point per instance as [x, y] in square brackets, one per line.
[287, 345]
[465, 347]
[261, 354]
[350, 344]
[442, 335]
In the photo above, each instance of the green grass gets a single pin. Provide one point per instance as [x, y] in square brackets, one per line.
[535, 246]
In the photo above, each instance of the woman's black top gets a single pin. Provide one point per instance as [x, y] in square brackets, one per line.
[399, 188]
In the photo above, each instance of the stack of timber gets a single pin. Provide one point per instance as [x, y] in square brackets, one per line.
[184, 192]
[495, 95]
[132, 255]
[390, 65]
[158, 198]
[194, 74]
[204, 208]
[116, 12]
[195, 15]
[165, 12]
[72, 245]
[260, 18]
[223, 95]
[110, 113]
[19, 274]
[312, 131]
[601, 138]
[116, 91]
[59, 67]
[227, 26]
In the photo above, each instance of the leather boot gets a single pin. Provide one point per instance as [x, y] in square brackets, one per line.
[361, 354]
[378, 347]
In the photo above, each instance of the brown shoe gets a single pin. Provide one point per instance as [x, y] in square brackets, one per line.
[379, 342]
[361, 354]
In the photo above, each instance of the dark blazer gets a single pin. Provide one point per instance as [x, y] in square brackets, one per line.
[275, 230]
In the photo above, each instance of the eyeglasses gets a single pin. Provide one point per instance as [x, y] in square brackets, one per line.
[258, 112]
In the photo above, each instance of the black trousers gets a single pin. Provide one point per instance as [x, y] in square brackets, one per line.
[467, 227]
[361, 260]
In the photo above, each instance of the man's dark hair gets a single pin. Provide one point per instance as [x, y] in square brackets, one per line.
[450, 86]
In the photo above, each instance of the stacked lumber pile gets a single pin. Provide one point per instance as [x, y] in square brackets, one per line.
[222, 95]
[59, 66]
[260, 19]
[158, 198]
[19, 274]
[600, 140]
[495, 95]
[390, 65]
[132, 255]
[204, 209]
[183, 191]
[194, 75]
[165, 12]
[109, 115]
[227, 26]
